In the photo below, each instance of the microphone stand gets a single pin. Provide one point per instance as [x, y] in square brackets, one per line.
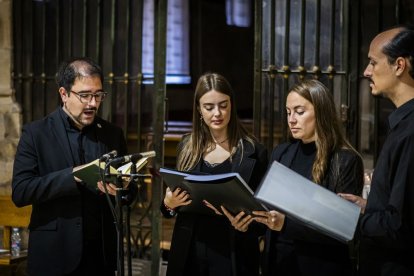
[119, 223]
[119, 218]
[132, 180]
[118, 215]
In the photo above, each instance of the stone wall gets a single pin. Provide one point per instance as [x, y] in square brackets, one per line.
[10, 113]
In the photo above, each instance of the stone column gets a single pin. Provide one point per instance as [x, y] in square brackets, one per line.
[10, 113]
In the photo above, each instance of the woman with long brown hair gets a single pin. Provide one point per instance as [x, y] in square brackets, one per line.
[215, 244]
[319, 151]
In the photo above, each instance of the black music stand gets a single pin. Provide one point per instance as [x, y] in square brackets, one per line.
[119, 217]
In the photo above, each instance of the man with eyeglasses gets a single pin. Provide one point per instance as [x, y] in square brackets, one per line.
[72, 230]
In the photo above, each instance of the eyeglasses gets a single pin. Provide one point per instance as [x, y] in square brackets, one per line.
[87, 97]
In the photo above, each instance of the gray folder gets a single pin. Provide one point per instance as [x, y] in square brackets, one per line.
[228, 190]
[311, 204]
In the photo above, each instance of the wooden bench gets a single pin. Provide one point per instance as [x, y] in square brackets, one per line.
[11, 216]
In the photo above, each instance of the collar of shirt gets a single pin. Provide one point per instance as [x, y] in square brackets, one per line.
[400, 113]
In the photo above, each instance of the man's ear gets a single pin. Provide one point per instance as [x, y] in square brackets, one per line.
[401, 65]
[63, 94]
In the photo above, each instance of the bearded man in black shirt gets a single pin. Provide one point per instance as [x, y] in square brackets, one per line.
[387, 223]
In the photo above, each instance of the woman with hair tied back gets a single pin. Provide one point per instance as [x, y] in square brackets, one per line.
[318, 151]
[220, 243]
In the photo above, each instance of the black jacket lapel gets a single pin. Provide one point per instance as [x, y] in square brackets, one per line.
[57, 128]
[245, 167]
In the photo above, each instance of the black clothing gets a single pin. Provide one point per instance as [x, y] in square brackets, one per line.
[84, 150]
[298, 249]
[387, 226]
[64, 230]
[209, 245]
[305, 156]
[208, 168]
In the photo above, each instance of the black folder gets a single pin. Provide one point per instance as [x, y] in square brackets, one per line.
[228, 190]
[301, 199]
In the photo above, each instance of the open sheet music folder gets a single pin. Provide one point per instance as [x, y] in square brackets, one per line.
[94, 171]
[309, 203]
[228, 190]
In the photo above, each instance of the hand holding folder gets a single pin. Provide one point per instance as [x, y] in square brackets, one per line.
[93, 172]
[301, 199]
[227, 190]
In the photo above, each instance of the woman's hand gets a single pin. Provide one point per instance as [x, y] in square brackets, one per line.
[355, 199]
[176, 198]
[209, 205]
[273, 219]
[240, 222]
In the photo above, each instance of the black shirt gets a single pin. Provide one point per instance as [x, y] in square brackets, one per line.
[303, 162]
[84, 147]
[388, 222]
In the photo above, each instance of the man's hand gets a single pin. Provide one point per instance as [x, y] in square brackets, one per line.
[111, 188]
[355, 199]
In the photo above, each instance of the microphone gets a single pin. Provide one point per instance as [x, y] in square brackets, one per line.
[108, 156]
[132, 157]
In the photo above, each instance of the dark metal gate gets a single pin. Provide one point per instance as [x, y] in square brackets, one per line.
[300, 39]
[327, 40]
[110, 32]
[45, 32]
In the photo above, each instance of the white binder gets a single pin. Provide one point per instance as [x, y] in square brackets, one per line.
[308, 202]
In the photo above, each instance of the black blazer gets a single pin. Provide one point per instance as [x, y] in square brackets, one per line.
[251, 167]
[42, 177]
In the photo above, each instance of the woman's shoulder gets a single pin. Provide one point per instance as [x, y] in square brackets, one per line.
[186, 136]
[280, 149]
[253, 145]
[347, 155]
[282, 146]
[184, 140]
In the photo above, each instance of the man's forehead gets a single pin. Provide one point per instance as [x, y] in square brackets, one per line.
[384, 38]
[88, 78]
